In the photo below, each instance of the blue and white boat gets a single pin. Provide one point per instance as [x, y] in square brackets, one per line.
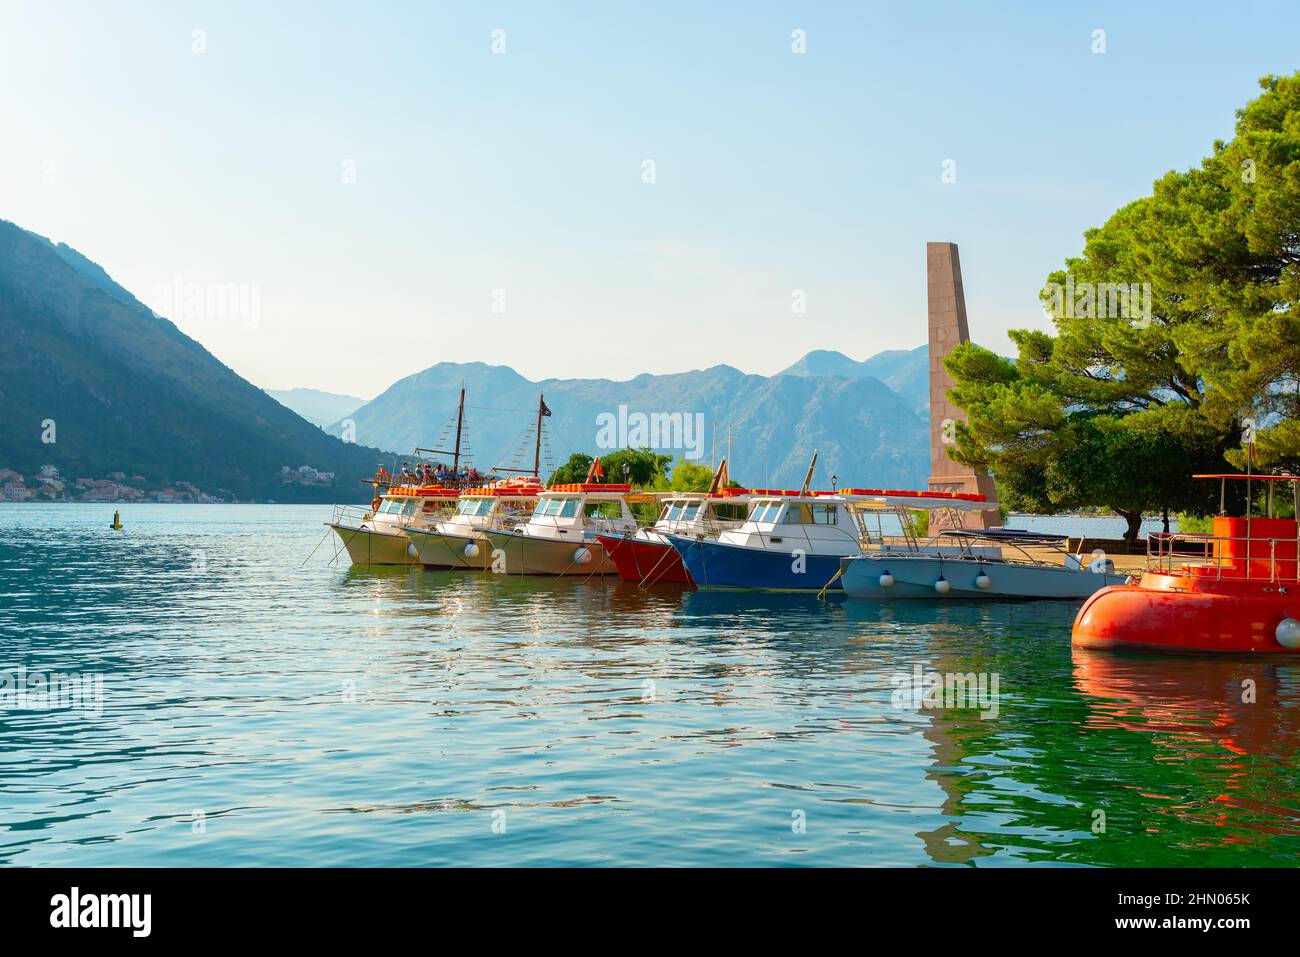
[795, 540]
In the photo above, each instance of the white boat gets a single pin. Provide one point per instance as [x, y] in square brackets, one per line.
[377, 536]
[984, 564]
[560, 537]
[460, 541]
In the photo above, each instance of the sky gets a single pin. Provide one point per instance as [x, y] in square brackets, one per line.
[338, 195]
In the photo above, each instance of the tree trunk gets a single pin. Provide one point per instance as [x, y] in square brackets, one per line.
[1134, 520]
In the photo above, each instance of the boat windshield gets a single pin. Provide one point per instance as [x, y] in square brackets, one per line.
[475, 507]
[603, 510]
[766, 511]
[395, 506]
[807, 514]
[557, 507]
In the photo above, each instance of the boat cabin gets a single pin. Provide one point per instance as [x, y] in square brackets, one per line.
[701, 513]
[494, 506]
[573, 511]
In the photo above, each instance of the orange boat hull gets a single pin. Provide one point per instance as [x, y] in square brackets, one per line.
[1186, 613]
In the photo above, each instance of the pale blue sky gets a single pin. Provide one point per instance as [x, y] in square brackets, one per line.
[522, 171]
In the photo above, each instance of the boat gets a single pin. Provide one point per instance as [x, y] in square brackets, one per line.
[561, 535]
[1234, 591]
[378, 535]
[796, 540]
[460, 540]
[646, 555]
[977, 563]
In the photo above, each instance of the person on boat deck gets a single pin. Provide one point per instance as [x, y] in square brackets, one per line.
[406, 474]
[473, 475]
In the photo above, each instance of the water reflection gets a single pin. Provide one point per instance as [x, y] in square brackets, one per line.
[324, 714]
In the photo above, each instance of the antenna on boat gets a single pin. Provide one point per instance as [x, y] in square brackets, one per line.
[807, 479]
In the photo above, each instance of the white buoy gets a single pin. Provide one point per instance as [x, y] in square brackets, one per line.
[982, 581]
[1288, 633]
[412, 550]
[942, 585]
[886, 580]
[582, 556]
[471, 550]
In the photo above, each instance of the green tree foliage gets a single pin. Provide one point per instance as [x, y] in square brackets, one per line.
[574, 470]
[1177, 330]
[644, 468]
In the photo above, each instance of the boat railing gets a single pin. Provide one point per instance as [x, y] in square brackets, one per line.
[1238, 557]
[351, 515]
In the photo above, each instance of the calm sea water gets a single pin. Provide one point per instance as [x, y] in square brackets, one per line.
[260, 710]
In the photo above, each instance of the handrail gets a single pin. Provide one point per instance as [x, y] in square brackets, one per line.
[1162, 553]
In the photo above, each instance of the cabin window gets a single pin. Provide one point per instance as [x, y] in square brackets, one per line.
[603, 510]
[690, 511]
[474, 507]
[558, 508]
[672, 511]
[766, 512]
[798, 514]
[825, 514]
[730, 512]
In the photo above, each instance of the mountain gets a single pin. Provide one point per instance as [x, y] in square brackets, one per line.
[866, 434]
[906, 371]
[319, 408]
[120, 389]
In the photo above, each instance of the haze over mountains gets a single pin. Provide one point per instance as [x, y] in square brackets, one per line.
[129, 392]
[123, 389]
[317, 407]
[866, 432]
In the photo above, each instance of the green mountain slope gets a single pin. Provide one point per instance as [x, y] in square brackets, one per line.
[128, 391]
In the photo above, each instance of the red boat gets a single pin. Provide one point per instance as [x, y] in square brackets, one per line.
[640, 558]
[1236, 590]
[645, 555]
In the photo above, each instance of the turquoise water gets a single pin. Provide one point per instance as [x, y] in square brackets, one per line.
[316, 714]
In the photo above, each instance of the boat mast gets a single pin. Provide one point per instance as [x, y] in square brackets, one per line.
[807, 479]
[460, 419]
[537, 447]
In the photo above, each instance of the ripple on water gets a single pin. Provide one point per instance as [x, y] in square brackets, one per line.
[257, 710]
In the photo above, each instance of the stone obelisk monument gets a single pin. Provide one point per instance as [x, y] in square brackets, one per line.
[947, 329]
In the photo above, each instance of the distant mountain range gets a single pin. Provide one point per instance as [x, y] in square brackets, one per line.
[93, 382]
[906, 371]
[318, 408]
[128, 392]
[866, 432]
